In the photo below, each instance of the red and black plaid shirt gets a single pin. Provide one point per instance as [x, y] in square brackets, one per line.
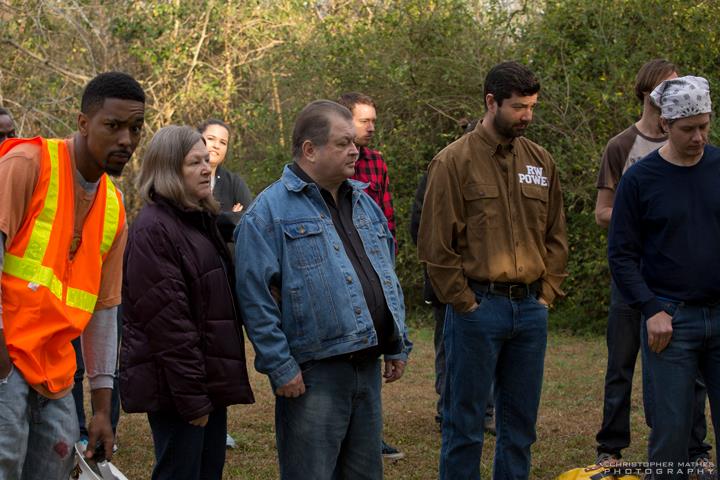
[371, 168]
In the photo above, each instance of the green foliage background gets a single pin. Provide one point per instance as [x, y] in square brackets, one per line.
[256, 63]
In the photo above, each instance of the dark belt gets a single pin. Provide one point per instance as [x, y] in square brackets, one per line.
[513, 291]
[360, 356]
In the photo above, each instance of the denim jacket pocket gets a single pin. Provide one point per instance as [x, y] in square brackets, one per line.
[302, 314]
[305, 243]
[382, 234]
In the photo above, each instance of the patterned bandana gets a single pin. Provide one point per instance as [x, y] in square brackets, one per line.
[682, 97]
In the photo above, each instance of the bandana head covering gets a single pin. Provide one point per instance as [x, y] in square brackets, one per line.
[682, 97]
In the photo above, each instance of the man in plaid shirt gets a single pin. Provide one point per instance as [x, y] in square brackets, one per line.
[370, 166]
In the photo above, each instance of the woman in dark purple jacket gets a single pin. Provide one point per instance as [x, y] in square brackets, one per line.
[182, 358]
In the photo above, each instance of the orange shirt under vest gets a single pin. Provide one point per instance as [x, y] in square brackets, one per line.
[48, 294]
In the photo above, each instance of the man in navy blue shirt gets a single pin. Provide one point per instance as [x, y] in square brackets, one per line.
[664, 256]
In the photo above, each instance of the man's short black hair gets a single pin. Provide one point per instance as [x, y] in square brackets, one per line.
[313, 124]
[507, 78]
[4, 111]
[110, 85]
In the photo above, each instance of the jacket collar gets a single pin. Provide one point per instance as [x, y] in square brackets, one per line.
[200, 219]
[296, 184]
[182, 211]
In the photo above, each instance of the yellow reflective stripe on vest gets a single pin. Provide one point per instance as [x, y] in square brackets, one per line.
[33, 272]
[29, 267]
[40, 236]
[112, 217]
[81, 299]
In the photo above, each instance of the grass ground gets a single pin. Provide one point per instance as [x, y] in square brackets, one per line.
[569, 417]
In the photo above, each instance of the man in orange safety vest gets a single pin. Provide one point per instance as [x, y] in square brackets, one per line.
[63, 232]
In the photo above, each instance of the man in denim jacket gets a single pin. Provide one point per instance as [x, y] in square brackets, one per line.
[324, 248]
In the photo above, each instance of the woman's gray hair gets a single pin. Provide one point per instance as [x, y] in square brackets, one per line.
[161, 170]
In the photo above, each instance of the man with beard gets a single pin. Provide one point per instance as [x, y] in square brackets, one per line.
[492, 235]
[370, 167]
[63, 232]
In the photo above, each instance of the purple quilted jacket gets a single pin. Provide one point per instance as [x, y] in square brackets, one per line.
[182, 344]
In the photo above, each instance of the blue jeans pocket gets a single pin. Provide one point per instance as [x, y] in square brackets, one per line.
[473, 315]
[5, 380]
[305, 367]
[671, 308]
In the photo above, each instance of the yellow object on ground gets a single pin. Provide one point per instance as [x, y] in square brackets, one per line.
[594, 472]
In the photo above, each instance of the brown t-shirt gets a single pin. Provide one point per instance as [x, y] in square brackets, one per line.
[622, 152]
[19, 173]
[492, 213]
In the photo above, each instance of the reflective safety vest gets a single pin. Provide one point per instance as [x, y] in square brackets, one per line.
[47, 296]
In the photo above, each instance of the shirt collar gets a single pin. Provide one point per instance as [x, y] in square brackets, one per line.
[302, 179]
[363, 154]
[492, 145]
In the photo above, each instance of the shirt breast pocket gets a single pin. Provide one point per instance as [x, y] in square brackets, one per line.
[305, 243]
[482, 205]
[535, 205]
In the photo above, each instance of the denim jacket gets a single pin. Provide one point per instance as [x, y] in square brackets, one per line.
[287, 239]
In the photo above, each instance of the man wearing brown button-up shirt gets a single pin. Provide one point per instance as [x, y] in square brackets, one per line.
[493, 238]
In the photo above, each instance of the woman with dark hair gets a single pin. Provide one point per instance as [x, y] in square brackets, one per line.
[182, 359]
[228, 188]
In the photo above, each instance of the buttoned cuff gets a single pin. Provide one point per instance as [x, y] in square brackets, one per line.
[281, 376]
[398, 356]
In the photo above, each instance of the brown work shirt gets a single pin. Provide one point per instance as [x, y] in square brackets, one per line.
[492, 213]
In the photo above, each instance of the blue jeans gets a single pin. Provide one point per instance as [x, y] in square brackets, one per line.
[37, 435]
[187, 452]
[439, 316]
[623, 344]
[694, 349]
[503, 339]
[334, 430]
[78, 393]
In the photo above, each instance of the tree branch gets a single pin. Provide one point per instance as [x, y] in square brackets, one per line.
[78, 78]
[198, 47]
